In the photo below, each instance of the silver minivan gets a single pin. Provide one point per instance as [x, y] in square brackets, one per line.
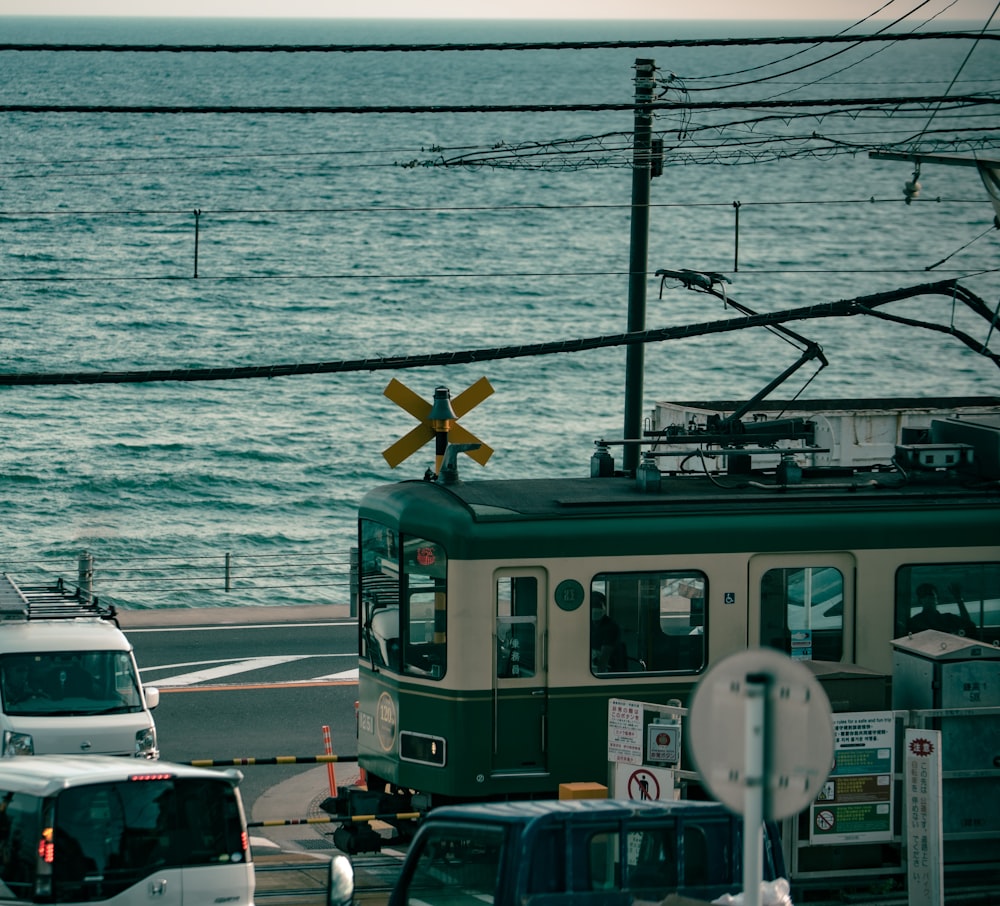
[89, 829]
[68, 679]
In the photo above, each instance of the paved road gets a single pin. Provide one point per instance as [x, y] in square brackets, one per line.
[242, 683]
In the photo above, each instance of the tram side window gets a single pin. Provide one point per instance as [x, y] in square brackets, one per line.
[424, 628]
[960, 598]
[802, 612]
[517, 617]
[651, 621]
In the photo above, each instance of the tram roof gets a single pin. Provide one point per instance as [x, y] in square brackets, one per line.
[488, 500]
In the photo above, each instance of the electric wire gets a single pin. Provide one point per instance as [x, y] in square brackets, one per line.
[27, 47]
[844, 308]
[809, 65]
[797, 53]
[960, 68]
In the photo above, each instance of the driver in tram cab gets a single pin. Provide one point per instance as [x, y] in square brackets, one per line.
[930, 616]
[607, 651]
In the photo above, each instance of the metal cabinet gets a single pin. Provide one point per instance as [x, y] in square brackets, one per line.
[952, 684]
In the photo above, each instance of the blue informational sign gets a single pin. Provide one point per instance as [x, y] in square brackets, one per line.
[855, 803]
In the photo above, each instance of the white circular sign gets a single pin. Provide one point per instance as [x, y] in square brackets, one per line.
[798, 731]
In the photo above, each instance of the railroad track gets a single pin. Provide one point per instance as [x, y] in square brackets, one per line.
[297, 879]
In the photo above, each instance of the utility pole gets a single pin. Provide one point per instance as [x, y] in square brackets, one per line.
[638, 254]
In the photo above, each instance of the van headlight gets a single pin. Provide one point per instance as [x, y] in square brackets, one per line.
[17, 744]
[145, 744]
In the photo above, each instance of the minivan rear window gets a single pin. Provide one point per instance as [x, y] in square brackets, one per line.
[19, 835]
[106, 837]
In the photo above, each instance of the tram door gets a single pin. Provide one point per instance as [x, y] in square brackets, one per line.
[803, 604]
[520, 697]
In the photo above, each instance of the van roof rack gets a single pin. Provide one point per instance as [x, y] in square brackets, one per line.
[48, 602]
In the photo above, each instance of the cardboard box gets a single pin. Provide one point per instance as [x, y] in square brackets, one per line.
[583, 791]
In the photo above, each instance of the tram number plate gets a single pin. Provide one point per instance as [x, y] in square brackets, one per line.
[366, 723]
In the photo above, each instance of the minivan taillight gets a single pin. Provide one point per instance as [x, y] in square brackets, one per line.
[46, 846]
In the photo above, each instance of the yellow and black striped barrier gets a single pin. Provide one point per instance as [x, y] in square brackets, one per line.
[285, 822]
[277, 759]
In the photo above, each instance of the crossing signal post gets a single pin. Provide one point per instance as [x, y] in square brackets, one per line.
[438, 422]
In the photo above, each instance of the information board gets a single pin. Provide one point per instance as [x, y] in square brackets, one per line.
[855, 803]
[624, 731]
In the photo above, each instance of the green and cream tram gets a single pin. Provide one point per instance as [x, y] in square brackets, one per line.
[480, 675]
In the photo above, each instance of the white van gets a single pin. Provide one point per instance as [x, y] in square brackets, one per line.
[68, 678]
[87, 829]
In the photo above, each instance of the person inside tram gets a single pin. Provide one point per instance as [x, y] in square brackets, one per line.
[930, 616]
[607, 650]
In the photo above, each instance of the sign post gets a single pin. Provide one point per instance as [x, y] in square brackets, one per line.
[761, 733]
[924, 838]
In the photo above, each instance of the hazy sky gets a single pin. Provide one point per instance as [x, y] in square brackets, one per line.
[974, 10]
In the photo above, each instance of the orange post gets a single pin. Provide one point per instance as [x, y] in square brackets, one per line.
[362, 773]
[329, 765]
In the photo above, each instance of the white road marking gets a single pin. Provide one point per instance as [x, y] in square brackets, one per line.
[343, 675]
[230, 668]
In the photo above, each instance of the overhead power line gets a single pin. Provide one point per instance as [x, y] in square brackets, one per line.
[494, 45]
[844, 308]
[860, 103]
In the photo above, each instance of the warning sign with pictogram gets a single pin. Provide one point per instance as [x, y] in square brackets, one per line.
[643, 784]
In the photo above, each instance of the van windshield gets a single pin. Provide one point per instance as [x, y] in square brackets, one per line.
[69, 682]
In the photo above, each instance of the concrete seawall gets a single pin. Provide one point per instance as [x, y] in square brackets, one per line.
[227, 616]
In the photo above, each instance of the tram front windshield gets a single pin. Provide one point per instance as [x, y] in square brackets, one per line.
[403, 590]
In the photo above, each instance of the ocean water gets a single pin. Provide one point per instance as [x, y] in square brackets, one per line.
[328, 237]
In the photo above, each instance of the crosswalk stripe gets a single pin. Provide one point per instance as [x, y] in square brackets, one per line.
[214, 673]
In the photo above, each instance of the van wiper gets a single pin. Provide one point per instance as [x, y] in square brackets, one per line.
[116, 709]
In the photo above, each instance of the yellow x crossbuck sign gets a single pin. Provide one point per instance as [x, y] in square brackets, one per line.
[445, 430]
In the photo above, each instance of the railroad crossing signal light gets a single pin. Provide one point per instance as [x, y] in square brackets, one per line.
[438, 421]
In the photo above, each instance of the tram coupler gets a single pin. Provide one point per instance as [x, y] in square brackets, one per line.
[357, 807]
[353, 839]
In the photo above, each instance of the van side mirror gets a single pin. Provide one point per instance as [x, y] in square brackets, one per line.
[152, 695]
[340, 882]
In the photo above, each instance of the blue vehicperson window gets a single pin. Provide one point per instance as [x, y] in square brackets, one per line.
[457, 865]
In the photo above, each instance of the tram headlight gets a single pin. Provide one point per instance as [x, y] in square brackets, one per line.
[422, 748]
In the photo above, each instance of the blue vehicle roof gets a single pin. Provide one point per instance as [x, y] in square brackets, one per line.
[529, 811]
